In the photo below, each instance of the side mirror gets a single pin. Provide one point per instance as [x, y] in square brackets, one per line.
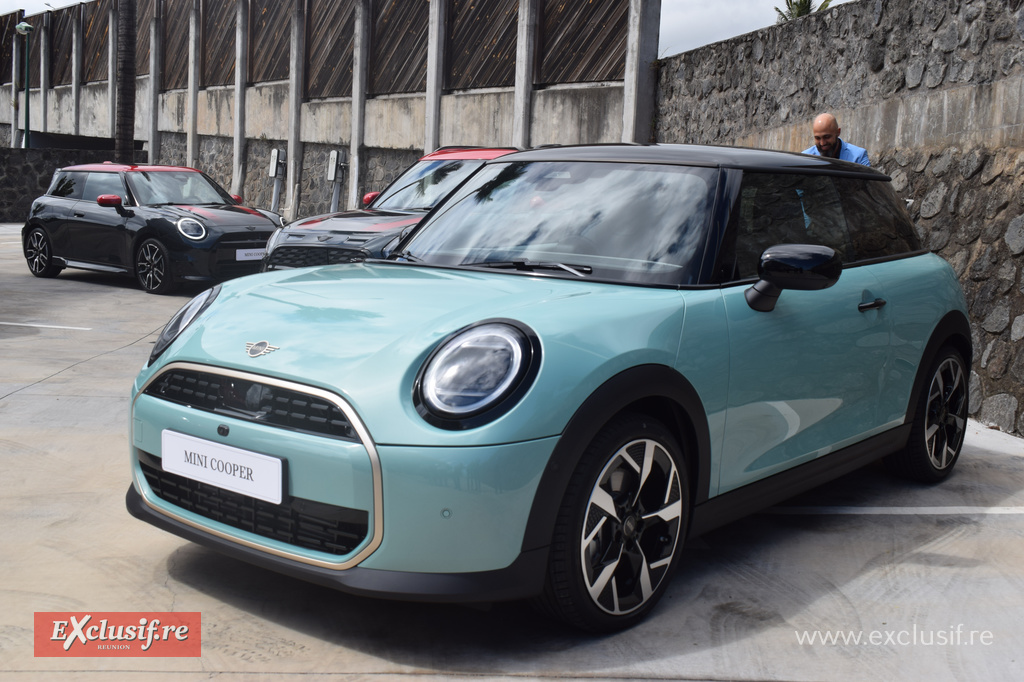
[109, 200]
[369, 197]
[800, 267]
[237, 198]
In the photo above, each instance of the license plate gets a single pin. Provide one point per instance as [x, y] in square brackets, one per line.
[250, 254]
[240, 471]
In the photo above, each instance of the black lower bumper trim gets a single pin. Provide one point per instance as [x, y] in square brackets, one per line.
[522, 579]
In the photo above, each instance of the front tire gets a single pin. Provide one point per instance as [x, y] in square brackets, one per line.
[940, 423]
[153, 268]
[620, 528]
[39, 254]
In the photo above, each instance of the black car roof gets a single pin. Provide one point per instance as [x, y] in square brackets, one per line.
[697, 155]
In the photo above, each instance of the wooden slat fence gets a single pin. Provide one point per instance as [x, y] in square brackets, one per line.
[34, 47]
[582, 41]
[218, 42]
[481, 44]
[175, 43]
[7, 38]
[143, 17]
[269, 30]
[330, 31]
[398, 47]
[95, 40]
[578, 41]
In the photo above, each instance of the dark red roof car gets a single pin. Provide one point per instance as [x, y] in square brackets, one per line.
[375, 230]
[161, 224]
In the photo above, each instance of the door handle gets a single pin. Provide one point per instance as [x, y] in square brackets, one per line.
[79, 215]
[871, 305]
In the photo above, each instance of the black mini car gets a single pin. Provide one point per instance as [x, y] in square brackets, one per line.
[162, 224]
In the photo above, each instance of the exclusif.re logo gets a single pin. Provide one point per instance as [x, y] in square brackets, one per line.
[151, 634]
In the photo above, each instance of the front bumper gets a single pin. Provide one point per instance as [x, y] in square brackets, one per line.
[522, 579]
[441, 523]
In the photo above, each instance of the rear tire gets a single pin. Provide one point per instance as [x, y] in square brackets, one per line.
[39, 254]
[940, 422]
[620, 527]
[153, 268]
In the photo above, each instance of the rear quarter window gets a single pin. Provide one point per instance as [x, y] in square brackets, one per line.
[67, 185]
[878, 221]
[860, 219]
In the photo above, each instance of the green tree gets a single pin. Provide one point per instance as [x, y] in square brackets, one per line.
[799, 8]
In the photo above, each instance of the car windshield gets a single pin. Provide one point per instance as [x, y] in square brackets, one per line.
[426, 183]
[636, 223]
[154, 188]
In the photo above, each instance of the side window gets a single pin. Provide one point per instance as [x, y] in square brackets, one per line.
[878, 220]
[68, 185]
[775, 209]
[102, 183]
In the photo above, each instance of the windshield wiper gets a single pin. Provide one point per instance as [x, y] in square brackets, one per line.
[529, 266]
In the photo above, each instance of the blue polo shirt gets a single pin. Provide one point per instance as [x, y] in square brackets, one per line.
[847, 152]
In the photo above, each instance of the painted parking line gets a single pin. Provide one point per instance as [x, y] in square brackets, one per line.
[896, 511]
[46, 326]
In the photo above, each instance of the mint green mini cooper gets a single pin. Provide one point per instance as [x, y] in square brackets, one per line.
[583, 357]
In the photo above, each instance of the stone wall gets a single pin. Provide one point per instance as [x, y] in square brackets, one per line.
[258, 190]
[26, 173]
[316, 191]
[935, 91]
[216, 156]
[382, 166]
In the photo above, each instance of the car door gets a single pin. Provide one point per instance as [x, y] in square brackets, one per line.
[97, 233]
[55, 211]
[805, 378]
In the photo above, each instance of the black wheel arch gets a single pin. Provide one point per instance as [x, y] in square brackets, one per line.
[654, 390]
[952, 330]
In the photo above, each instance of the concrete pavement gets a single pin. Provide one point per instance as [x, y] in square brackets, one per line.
[901, 566]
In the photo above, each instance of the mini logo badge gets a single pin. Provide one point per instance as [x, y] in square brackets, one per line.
[259, 348]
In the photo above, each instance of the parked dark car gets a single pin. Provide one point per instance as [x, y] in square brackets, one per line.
[373, 231]
[162, 224]
[579, 360]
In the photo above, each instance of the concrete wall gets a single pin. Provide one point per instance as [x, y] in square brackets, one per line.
[935, 92]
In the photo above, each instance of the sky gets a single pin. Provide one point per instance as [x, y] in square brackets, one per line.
[685, 24]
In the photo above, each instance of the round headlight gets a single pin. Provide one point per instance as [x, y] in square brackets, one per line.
[192, 228]
[182, 319]
[475, 370]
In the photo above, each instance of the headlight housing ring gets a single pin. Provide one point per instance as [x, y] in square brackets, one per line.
[477, 374]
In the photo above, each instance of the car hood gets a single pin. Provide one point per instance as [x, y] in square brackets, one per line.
[224, 215]
[364, 330]
[348, 222]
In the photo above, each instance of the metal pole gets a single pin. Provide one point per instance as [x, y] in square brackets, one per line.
[27, 138]
[25, 28]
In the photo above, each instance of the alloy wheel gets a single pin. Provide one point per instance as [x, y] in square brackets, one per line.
[37, 252]
[151, 266]
[946, 419]
[634, 520]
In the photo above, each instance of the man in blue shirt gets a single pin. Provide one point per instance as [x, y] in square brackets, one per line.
[827, 143]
